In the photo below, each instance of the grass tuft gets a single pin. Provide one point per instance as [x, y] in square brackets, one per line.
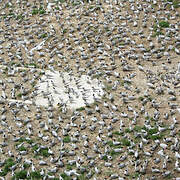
[8, 163]
[67, 139]
[20, 175]
[164, 24]
[80, 109]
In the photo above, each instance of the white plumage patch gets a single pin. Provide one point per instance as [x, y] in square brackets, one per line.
[64, 88]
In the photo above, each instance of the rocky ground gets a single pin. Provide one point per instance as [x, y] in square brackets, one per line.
[131, 130]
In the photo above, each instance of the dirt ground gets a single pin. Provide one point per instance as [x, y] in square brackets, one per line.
[132, 49]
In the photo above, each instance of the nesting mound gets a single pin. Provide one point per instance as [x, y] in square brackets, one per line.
[64, 88]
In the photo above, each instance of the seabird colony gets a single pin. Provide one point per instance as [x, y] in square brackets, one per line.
[89, 89]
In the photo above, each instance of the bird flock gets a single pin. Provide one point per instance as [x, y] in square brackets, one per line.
[66, 90]
[126, 126]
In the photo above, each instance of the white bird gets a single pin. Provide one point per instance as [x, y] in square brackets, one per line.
[164, 165]
[155, 170]
[49, 121]
[161, 153]
[42, 172]
[175, 120]
[178, 69]
[147, 153]
[164, 146]
[60, 178]
[97, 170]
[136, 154]
[27, 161]
[10, 153]
[29, 131]
[177, 155]
[114, 107]
[33, 168]
[130, 108]
[106, 104]
[54, 133]
[177, 164]
[53, 170]
[41, 162]
[46, 127]
[50, 151]
[98, 138]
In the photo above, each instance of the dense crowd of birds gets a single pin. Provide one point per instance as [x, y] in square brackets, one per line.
[60, 88]
[132, 48]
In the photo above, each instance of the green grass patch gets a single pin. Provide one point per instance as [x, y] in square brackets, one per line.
[141, 98]
[113, 153]
[67, 139]
[82, 177]
[50, 173]
[137, 140]
[155, 27]
[152, 134]
[105, 158]
[44, 152]
[110, 143]
[164, 24]
[91, 7]
[65, 177]
[44, 35]
[169, 176]
[118, 133]
[109, 173]
[131, 153]
[8, 163]
[135, 175]
[20, 16]
[35, 175]
[157, 34]
[61, 1]
[12, 63]
[7, 5]
[26, 166]
[138, 128]
[125, 142]
[152, 131]
[64, 31]
[42, 11]
[22, 148]
[127, 130]
[154, 137]
[30, 141]
[70, 167]
[35, 11]
[20, 175]
[21, 139]
[109, 87]
[76, 3]
[38, 11]
[176, 3]
[150, 98]
[19, 95]
[80, 109]
[35, 147]
[11, 14]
